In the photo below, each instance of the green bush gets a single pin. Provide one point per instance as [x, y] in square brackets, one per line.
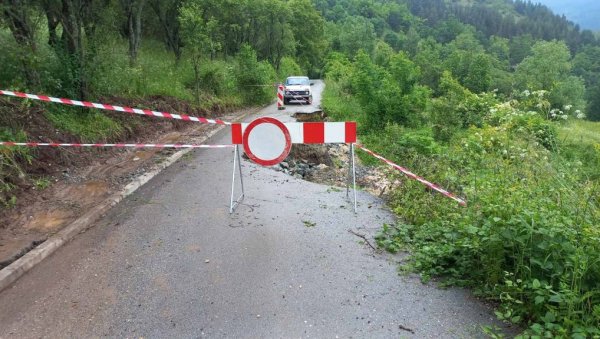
[388, 97]
[10, 72]
[254, 78]
[458, 108]
[218, 78]
[525, 124]
[541, 129]
[341, 106]
[288, 67]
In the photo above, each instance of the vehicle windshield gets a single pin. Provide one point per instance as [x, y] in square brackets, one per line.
[296, 81]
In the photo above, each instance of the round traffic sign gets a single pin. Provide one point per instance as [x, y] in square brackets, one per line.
[267, 141]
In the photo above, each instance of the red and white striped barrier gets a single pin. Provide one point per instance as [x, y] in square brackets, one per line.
[280, 101]
[53, 144]
[114, 108]
[308, 132]
[415, 177]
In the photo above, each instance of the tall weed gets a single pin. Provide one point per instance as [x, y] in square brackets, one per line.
[11, 159]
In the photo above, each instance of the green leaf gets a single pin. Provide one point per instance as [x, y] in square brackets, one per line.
[557, 298]
[536, 284]
[537, 328]
[539, 300]
[549, 317]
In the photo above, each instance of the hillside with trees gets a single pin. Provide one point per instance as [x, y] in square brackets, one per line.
[487, 98]
[585, 13]
[493, 99]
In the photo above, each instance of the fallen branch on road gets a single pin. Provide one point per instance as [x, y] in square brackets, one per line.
[365, 239]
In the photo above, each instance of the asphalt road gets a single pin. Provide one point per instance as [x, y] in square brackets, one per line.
[171, 262]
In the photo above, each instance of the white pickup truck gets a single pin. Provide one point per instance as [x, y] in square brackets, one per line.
[297, 88]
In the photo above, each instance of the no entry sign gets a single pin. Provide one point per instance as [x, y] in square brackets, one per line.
[267, 141]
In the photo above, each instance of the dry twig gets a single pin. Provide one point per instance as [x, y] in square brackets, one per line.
[365, 239]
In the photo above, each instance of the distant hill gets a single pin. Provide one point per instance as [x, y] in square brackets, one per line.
[503, 18]
[585, 13]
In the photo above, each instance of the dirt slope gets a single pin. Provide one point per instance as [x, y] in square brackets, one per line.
[80, 178]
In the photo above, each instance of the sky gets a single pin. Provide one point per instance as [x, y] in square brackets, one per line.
[585, 13]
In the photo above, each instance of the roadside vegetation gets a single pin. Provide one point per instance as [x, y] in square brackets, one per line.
[499, 121]
[214, 56]
[494, 100]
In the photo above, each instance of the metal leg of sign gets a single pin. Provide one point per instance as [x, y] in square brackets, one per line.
[349, 177]
[237, 162]
[354, 176]
[241, 176]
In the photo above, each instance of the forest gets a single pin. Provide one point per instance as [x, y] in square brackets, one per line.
[496, 100]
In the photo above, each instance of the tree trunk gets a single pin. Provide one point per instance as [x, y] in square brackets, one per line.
[196, 62]
[167, 15]
[72, 39]
[52, 24]
[138, 28]
[133, 11]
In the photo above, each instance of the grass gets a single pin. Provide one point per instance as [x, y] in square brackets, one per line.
[89, 126]
[580, 132]
[580, 144]
[156, 72]
[42, 183]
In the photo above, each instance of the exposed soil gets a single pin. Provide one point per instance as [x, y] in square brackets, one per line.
[330, 164]
[81, 178]
[315, 116]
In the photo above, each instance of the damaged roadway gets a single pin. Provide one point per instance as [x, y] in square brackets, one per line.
[169, 261]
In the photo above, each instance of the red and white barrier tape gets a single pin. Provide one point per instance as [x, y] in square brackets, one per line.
[414, 176]
[53, 144]
[272, 85]
[114, 108]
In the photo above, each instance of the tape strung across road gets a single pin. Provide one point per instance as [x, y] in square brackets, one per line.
[41, 144]
[114, 108]
[415, 177]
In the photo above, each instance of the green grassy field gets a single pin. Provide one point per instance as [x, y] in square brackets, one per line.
[580, 132]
